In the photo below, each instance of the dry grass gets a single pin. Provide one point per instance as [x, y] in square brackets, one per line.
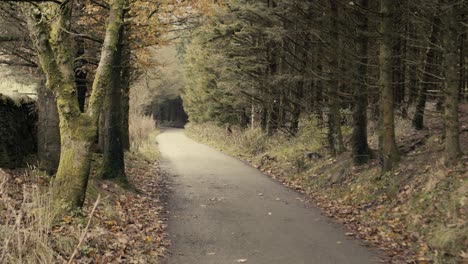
[29, 232]
[140, 127]
[25, 223]
[257, 146]
[122, 226]
[143, 134]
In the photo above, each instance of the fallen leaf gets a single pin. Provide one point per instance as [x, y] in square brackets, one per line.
[67, 219]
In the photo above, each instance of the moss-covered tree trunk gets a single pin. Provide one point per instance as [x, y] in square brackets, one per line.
[360, 148]
[125, 90]
[113, 165]
[54, 48]
[450, 20]
[390, 153]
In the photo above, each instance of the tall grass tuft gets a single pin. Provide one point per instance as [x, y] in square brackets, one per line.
[142, 129]
[25, 223]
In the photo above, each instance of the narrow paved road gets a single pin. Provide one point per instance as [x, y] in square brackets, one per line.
[223, 210]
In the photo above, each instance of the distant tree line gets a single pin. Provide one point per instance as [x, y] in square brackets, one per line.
[168, 112]
[267, 63]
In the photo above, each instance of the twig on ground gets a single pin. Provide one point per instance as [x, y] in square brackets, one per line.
[85, 231]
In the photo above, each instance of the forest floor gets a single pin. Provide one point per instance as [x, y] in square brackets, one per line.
[126, 225]
[417, 213]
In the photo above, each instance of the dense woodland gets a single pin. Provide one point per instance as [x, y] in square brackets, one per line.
[270, 65]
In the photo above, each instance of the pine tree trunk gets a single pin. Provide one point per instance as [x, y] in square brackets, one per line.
[398, 78]
[412, 69]
[462, 64]
[253, 114]
[427, 76]
[298, 92]
[335, 137]
[390, 153]
[273, 116]
[319, 93]
[274, 109]
[452, 134]
[360, 149]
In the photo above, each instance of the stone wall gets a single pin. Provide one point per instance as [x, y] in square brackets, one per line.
[18, 118]
[48, 134]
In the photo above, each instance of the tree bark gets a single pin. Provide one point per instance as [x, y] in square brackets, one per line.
[113, 164]
[390, 153]
[360, 148]
[413, 83]
[397, 60]
[452, 134]
[429, 71]
[335, 137]
[125, 87]
[462, 64]
[77, 130]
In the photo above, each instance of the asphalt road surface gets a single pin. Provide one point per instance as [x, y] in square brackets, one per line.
[224, 211]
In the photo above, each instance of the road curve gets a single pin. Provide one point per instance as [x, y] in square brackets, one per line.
[223, 211]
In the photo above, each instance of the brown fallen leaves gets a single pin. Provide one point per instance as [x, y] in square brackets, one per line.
[127, 225]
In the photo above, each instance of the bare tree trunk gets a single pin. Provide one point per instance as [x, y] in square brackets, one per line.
[398, 78]
[452, 134]
[413, 82]
[463, 65]
[429, 71]
[335, 137]
[390, 153]
[360, 147]
[298, 92]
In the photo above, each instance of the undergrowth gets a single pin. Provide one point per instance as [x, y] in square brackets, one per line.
[26, 221]
[143, 132]
[116, 225]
